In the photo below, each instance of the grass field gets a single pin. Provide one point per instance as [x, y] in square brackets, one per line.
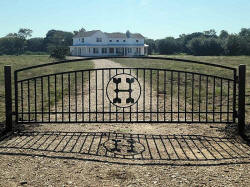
[18, 62]
[174, 65]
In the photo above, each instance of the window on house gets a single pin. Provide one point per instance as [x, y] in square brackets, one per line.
[104, 50]
[111, 50]
[117, 40]
[110, 40]
[119, 50]
[89, 50]
[124, 40]
[137, 41]
[129, 50]
[98, 39]
[82, 40]
[95, 50]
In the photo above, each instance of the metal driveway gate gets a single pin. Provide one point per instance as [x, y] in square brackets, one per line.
[116, 95]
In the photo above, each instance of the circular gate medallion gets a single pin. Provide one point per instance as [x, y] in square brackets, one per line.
[126, 147]
[123, 90]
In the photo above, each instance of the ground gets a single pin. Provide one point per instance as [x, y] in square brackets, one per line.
[166, 154]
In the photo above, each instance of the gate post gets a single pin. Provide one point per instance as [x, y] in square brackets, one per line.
[241, 99]
[8, 98]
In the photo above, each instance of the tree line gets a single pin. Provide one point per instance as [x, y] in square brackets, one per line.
[21, 43]
[198, 43]
[207, 43]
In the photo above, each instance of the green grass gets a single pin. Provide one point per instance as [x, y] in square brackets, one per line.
[18, 62]
[233, 61]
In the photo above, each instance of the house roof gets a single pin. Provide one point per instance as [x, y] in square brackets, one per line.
[85, 33]
[110, 35]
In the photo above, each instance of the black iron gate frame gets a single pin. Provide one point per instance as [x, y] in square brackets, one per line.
[232, 111]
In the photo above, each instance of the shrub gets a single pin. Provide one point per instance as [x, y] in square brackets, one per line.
[59, 52]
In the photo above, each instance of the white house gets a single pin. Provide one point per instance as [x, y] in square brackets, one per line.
[98, 43]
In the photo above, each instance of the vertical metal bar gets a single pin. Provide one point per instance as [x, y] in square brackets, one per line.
[16, 97]
[165, 94]
[144, 72]
[22, 109]
[137, 101]
[123, 115]
[103, 95]
[234, 95]
[49, 95]
[178, 97]
[55, 99]
[8, 98]
[76, 105]
[213, 98]
[29, 100]
[221, 91]
[171, 106]
[151, 90]
[228, 95]
[69, 95]
[157, 105]
[35, 99]
[206, 97]
[42, 98]
[89, 98]
[200, 98]
[241, 98]
[185, 96]
[130, 117]
[192, 97]
[82, 96]
[62, 98]
[109, 102]
[96, 98]
[116, 106]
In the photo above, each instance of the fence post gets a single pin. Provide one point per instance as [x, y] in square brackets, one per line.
[241, 99]
[8, 98]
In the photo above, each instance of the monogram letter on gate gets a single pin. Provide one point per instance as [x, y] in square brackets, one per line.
[117, 81]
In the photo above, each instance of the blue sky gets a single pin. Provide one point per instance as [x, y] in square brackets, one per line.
[152, 18]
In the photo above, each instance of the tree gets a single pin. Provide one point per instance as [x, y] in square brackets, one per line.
[232, 46]
[35, 45]
[168, 46]
[11, 45]
[223, 34]
[151, 46]
[210, 33]
[24, 33]
[205, 46]
[59, 52]
[81, 30]
[55, 38]
[128, 34]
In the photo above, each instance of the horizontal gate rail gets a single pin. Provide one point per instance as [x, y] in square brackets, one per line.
[153, 58]
[77, 71]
